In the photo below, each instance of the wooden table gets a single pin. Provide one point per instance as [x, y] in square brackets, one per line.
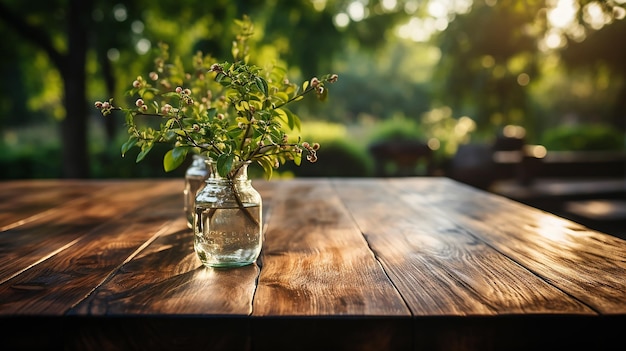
[372, 264]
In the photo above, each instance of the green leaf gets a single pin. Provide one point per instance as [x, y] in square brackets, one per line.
[174, 158]
[292, 120]
[297, 158]
[268, 169]
[280, 113]
[170, 122]
[132, 141]
[180, 152]
[262, 85]
[144, 151]
[211, 113]
[219, 77]
[224, 164]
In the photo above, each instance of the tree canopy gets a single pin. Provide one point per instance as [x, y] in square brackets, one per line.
[496, 61]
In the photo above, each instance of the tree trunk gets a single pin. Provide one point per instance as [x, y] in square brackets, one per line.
[74, 126]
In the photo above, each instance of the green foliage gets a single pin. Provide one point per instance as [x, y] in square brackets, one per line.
[232, 113]
[337, 158]
[397, 128]
[584, 138]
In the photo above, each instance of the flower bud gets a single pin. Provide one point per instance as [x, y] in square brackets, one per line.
[98, 104]
[315, 82]
[139, 103]
[136, 84]
[154, 76]
[187, 91]
[179, 90]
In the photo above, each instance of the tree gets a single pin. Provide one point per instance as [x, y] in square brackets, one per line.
[70, 64]
[68, 30]
[491, 54]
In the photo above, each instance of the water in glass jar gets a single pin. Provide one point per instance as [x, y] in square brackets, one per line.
[193, 184]
[227, 236]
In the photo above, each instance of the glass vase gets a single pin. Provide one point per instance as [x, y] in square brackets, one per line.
[227, 220]
[195, 178]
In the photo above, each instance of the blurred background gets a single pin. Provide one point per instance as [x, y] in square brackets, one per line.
[505, 95]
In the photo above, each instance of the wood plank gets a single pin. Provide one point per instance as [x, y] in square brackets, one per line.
[164, 298]
[438, 266]
[34, 241]
[585, 264]
[54, 285]
[23, 201]
[167, 278]
[315, 263]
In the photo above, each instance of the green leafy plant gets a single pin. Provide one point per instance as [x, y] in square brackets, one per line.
[231, 112]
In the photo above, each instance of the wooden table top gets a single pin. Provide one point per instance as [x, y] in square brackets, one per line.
[399, 263]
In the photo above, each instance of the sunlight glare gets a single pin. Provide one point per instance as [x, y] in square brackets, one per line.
[594, 16]
[434, 144]
[389, 5]
[552, 227]
[523, 79]
[137, 27]
[119, 12]
[342, 20]
[410, 7]
[356, 11]
[513, 131]
[143, 46]
[319, 5]
[113, 54]
[437, 9]
[563, 14]
[536, 151]
[554, 39]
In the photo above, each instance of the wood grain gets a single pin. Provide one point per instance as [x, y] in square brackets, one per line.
[31, 242]
[316, 262]
[367, 264]
[166, 277]
[439, 267]
[54, 285]
[23, 201]
[583, 263]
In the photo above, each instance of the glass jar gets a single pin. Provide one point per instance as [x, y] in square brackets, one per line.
[227, 221]
[195, 177]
